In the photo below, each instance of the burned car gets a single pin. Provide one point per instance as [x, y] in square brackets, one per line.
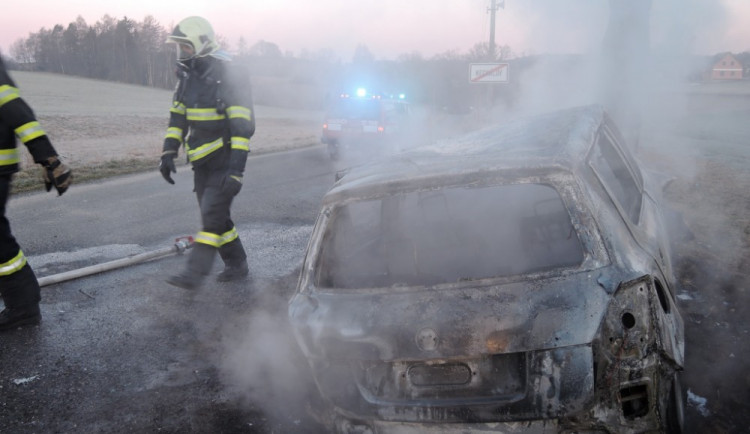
[514, 280]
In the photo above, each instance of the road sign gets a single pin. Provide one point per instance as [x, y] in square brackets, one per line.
[488, 73]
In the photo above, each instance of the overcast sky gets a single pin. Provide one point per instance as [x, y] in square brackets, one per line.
[393, 27]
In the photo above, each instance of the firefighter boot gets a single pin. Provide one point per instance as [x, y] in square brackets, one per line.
[20, 293]
[235, 262]
[11, 318]
[198, 266]
[188, 279]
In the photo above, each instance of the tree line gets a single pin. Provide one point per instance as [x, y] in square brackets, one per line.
[121, 50]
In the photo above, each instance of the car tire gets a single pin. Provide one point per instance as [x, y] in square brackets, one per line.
[675, 414]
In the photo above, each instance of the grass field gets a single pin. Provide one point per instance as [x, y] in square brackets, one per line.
[103, 128]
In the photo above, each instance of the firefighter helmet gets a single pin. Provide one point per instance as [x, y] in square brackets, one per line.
[194, 37]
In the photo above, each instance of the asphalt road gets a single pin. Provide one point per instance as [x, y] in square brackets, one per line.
[122, 351]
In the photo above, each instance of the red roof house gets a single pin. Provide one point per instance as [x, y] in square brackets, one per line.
[727, 68]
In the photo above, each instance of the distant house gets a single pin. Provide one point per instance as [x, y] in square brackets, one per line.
[727, 68]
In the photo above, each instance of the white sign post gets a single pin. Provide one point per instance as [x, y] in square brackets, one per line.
[488, 72]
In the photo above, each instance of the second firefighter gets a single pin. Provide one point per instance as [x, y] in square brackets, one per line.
[212, 116]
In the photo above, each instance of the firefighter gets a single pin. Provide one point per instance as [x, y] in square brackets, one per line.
[18, 285]
[212, 116]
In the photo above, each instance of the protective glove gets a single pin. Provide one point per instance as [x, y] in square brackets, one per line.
[167, 166]
[56, 174]
[231, 184]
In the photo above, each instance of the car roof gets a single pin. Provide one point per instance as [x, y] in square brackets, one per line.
[558, 140]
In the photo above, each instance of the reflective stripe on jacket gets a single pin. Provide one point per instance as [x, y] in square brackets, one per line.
[195, 154]
[9, 156]
[17, 120]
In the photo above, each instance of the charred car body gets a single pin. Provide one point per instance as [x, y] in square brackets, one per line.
[516, 280]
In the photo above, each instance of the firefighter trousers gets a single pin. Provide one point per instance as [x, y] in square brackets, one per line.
[18, 284]
[215, 205]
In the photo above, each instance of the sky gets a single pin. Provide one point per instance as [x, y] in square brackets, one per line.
[389, 28]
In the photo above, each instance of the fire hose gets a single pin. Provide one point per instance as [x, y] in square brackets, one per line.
[181, 244]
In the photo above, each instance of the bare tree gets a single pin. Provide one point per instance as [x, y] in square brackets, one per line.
[22, 51]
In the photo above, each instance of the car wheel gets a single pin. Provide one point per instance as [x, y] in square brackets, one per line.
[675, 417]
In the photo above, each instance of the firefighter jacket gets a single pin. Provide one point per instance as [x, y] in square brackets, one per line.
[18, 120]
[211, 114]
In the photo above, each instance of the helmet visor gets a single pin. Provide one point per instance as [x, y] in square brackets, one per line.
[185, 51]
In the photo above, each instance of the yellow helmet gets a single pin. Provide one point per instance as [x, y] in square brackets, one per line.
[195, 38]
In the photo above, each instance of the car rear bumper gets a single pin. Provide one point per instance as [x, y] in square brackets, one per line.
[503, 388]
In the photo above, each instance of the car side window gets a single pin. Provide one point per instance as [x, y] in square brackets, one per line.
[612, 170]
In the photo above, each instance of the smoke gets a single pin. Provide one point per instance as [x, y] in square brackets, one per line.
[554, 27]
[262, 366]
[555, 82]
[628, 51]
[636, 59]
[687, 27]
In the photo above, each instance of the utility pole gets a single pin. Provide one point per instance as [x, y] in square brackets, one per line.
[492, 9]
[494, 6]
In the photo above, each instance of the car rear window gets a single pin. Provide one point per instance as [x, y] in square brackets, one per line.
[447, 235]
[355, 109]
